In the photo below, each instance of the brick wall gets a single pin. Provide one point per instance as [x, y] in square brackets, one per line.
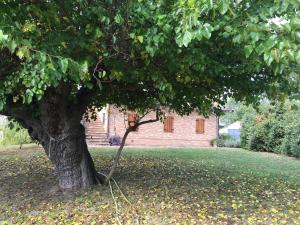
[184, 134]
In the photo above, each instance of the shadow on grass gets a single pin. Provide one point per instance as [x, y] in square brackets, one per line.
[29, 186]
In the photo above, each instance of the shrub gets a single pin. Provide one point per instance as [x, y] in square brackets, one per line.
[14, 134]
[233, 143]
[276, 130]
[115, 140]
[226, 141]
[291, 141]
[248, 127]
[258, 137]
[276, 133]
[213, 142]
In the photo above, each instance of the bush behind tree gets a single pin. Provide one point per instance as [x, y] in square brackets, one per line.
[225, 140]
[276, 130]
[14, 134]
[291, 141]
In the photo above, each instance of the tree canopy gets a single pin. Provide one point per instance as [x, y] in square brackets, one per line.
[184, 54]
[58, 58]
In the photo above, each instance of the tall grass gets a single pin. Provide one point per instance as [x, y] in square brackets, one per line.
[14, 134]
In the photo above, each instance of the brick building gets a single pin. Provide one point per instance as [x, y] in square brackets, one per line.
[175, 131]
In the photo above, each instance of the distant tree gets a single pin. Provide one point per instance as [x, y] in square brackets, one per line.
[60, 58]
[273, 128]
[235, 111]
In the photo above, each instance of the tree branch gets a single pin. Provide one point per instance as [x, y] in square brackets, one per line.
[128, 130]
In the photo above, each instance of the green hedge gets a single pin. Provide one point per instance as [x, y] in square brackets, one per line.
[277, 130]
[291, 141]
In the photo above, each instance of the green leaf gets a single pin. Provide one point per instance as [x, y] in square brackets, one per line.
[88, 29]
[268, 58]
[224, 7]
[297, 57]
[297, 36]
[43, 57]
[156, 38]
[150, 50]
[132, 35]
[85, 67]
[28, 96]
[295, 23]
[3, 37]
[12, 45]
[114, 39]
[50, 66]
[290, 55]
[188, 79]
[64, 65]
[248, 50]
[98, 33]
[119, 19]
[89, 85]
[254, 36]
[187, 38]
[207, 29]
[271, 42]
[294, 107]
[140, 39]
[22, 52]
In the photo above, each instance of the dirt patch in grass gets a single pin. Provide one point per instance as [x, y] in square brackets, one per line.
[161, 191]
[18, 153]
[15, 150]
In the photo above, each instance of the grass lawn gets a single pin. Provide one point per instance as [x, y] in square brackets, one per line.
[164, 186]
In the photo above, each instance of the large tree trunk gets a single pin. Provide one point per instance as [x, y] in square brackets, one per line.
[72, 161]
[55, 122]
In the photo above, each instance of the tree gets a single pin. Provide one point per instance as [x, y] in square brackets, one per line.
[273, 128]
[59, 59]
[236, 112]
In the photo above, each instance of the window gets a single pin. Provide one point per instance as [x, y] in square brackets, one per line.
[169, 124]
[132, 119]
[200, 126]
